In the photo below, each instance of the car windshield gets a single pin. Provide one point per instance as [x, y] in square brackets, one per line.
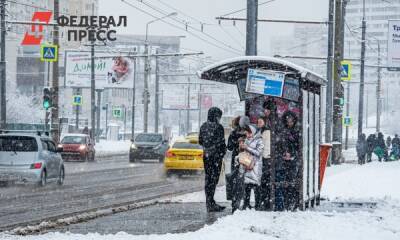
[74, 140]
[186, 145]
[18, 144]
[148, 138]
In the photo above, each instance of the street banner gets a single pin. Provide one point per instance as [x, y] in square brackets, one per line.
[393, 52]
[110, 71]
[269, 83]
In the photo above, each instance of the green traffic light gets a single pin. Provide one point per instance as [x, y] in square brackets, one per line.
[46, 105]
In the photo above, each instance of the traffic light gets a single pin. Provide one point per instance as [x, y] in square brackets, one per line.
[47, 98]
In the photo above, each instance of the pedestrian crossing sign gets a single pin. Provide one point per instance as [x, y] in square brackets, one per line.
[77, 100]
[49, 53]
[347, 121]
[345, 73]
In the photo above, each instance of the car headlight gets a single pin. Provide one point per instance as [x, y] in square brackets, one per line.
[133, 146]
[82, 147]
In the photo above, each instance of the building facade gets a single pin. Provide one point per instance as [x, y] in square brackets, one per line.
[377, 14]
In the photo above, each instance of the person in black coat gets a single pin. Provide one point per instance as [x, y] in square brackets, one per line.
[233, 140]
[287, 164]
[380, 142]
[370, 146]
[361, 149]
[396, 141]
[212, 138]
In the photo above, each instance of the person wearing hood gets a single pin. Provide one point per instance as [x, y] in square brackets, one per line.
[212, 138]
[287, 165]
[381, 147]
[253, 147]
[361, 148]
[371, 142]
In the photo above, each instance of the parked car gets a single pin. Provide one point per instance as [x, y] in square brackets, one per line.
[148, 146]
[77, 147]
[184, 155]
[193, 137]
[30, 157]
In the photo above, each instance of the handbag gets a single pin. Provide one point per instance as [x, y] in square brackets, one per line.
[246, 160]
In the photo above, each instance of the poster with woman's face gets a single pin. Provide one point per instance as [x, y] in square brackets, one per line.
[120, 70]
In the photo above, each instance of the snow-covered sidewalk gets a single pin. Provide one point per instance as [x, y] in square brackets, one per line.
[376, 182]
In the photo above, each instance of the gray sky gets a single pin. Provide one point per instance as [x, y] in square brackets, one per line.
[206, 11]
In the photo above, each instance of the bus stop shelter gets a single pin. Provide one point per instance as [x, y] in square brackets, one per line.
[294, 89]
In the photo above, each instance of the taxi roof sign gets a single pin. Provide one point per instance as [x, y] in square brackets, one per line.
[48, 53]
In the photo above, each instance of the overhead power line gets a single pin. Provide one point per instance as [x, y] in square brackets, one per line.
[234, 51]
[187, 25]
[243, 9]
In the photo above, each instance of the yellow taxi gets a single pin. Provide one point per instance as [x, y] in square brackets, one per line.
[185, 154]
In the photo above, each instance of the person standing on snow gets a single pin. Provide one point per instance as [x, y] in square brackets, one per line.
[381, 147]
[253, 148]
[396, 141]
[361, 148]
[388, 142]
[238, 124]
[396, 146]
[211, 137]
[370, 146]
[287, 166]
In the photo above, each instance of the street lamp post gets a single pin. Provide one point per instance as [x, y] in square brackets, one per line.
[362, 63]
[147, 69]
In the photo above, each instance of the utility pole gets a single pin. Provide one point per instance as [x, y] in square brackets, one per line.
[337, 84]
[344, 5]
[92, 90]
[54, 110]
[251, 27]
[346, 144]
[147, 69]
[133, 98]
[77, 109]
[188, 107]
[366, 110]
[329, 75]
[378, 93]
[362, 63]
[157, 94]
[92, 94]
[98, 114]
[3, 76]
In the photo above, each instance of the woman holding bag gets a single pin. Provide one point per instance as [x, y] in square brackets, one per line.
[249, 163]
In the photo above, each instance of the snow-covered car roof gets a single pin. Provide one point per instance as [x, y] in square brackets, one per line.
[232, 69]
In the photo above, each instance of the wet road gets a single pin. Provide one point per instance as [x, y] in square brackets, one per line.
[109, 181]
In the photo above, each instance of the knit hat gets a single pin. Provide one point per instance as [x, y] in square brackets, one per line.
[244, 121]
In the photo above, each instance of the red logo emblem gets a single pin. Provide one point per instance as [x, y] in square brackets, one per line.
[34, 37]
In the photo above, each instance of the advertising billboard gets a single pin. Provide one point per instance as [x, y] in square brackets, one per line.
[394, 44]
[110, 71]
